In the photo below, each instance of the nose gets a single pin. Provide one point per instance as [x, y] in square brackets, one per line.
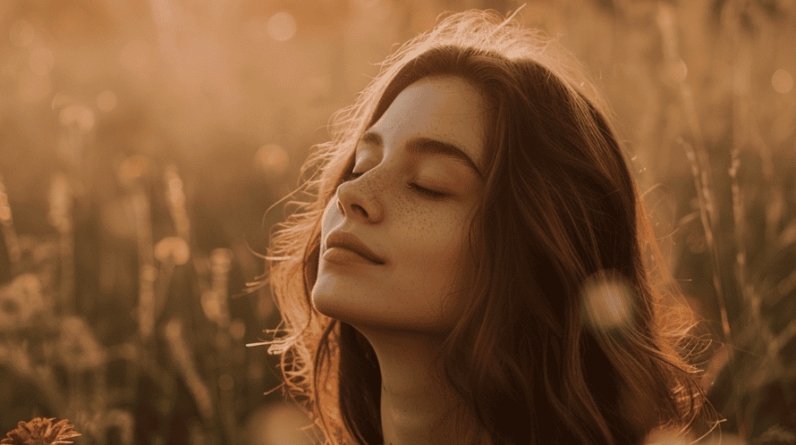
[355, 203]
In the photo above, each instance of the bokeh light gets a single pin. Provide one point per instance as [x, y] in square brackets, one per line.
[78, 115]
[782, 81]
[607, 301]
[21, 33]
[256, 28]
[132, 169]
[41, 61]
[272, 159]
[107, 101]
[278, 424]
[102, 101]
[32, 88]
[174, 249]
[237, 329]
[665, 437]
[678, 70]
[134, 57]
[281, 26]
[367, 4]
[5, 209]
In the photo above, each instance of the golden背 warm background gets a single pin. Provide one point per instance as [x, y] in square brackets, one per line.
[142, 143]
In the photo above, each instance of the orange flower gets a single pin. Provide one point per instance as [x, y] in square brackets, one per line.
[40, 431]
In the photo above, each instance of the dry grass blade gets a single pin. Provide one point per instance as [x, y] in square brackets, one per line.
[700, 168]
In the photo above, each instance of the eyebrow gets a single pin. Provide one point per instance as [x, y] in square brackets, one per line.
[424, 145]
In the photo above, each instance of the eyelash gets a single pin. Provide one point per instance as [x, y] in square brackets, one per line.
[410, 186]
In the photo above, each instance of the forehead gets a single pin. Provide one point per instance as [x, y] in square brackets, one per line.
[447, 108]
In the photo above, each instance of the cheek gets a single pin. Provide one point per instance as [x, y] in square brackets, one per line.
[440, 260]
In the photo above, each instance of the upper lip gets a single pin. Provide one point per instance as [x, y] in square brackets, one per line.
[351, 242]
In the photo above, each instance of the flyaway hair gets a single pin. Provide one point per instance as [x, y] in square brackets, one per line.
[575, 331]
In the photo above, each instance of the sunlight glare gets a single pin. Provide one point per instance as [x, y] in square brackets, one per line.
[281, 26]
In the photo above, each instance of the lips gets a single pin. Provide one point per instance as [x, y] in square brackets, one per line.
[349, 241]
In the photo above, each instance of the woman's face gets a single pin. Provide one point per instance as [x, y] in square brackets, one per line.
[431, 137]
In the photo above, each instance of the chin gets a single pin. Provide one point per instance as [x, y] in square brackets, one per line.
[347, 312]
[362, 306]
[372, 319]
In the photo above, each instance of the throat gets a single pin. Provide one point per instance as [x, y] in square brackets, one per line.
[417, 405]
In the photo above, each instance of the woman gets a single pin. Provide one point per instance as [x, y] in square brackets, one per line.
[476, 266]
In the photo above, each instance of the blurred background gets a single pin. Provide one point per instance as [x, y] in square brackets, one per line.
[142, 143]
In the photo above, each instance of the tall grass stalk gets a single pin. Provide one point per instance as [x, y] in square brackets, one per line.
[175, 194]
[146, 263]
[700, 169]
[185, 363]
[220, 265]
[60, 217]
[7, 225]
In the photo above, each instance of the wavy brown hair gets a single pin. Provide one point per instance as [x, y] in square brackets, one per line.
[575, 332]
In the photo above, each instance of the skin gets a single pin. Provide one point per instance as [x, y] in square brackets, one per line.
[406, 306]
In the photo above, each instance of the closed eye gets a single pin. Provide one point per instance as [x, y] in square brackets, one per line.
[425, 191]
[351, 176]
[411, 186]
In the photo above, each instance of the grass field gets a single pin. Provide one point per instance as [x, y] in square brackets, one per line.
[142, 144]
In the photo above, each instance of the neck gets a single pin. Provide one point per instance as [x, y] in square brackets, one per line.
[417, 406]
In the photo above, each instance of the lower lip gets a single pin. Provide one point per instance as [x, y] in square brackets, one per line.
[344, 256]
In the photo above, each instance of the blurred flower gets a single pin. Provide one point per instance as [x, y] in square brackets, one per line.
[20, 300]
[41, 431]
[174, 248]
[77, 347]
